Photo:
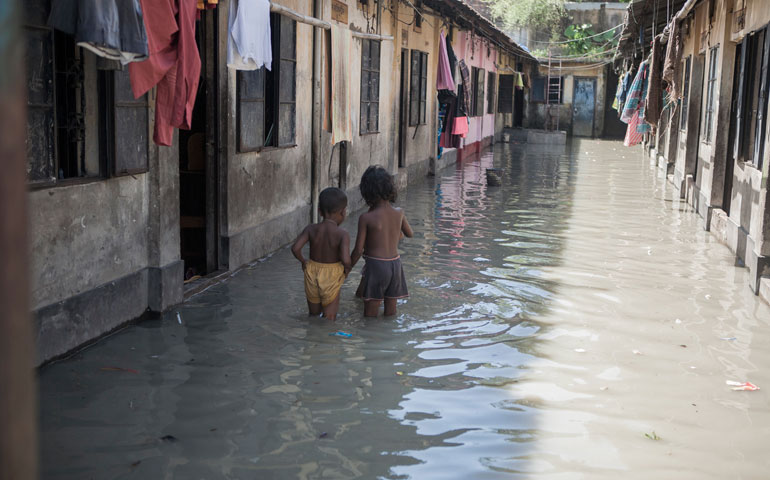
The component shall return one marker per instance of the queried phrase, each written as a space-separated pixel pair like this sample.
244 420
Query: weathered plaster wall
83 236
273 184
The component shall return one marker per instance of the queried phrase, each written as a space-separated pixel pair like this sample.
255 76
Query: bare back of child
329 262
379 231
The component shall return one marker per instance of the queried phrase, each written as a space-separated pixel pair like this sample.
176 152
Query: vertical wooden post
18 407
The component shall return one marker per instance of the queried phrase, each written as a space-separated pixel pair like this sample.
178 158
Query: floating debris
323 435
340 333
652 436
169 438
580 350
742 386
729 339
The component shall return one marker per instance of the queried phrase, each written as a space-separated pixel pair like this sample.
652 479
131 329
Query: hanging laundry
525 79
518 81
207 4
452 58
633 136
635 94
654 99
465 75
444 80
615 103
249 44
625 86
112 29
449 101
174 65
672 65
341 128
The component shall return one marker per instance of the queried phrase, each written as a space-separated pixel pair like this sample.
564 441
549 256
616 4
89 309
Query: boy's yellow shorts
323 281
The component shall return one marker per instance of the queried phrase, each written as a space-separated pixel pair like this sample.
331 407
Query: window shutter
251 109
40 101
479 92
130 127
414 89
374 85
740 103
423 86
759 137
490 92
505 94
287 108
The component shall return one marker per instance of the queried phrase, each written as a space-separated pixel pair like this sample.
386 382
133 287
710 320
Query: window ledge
66 182
364 134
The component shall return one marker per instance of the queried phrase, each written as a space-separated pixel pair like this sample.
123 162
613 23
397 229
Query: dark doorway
613 127
403 98
734 119
518 102
198 164
518 107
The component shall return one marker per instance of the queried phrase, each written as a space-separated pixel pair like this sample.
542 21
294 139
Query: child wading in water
329 262
379 231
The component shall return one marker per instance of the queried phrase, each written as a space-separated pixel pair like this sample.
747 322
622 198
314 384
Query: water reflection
512 359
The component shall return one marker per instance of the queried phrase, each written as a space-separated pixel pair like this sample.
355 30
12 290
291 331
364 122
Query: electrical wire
578 39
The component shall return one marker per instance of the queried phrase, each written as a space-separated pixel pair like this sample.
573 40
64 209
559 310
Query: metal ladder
553 95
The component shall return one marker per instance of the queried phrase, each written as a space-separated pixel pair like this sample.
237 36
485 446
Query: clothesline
578 39
274 7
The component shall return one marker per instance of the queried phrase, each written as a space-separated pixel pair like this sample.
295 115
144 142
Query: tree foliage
536 14
585 42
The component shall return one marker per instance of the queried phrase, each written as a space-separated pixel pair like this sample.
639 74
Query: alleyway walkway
553 323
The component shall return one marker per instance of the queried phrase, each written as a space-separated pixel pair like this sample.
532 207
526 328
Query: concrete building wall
702 164
103 251
570 72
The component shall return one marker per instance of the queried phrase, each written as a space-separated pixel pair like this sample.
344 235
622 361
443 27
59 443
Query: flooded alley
576 322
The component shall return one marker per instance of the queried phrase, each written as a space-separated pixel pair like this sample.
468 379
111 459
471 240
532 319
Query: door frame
575 81
210 65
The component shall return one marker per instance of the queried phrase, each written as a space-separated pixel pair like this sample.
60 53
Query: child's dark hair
332 200
377 184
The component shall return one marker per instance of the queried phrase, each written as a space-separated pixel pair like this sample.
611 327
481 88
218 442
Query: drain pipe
315 144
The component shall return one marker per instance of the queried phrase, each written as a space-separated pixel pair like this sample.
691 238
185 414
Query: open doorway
198 164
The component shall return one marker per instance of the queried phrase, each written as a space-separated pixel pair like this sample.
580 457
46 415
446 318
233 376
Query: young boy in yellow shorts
329 262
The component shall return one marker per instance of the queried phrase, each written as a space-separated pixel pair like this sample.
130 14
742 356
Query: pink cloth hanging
632 136
444 80
460 126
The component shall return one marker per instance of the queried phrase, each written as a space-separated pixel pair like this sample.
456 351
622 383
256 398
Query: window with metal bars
711 94
370 86
491 80
418 88
477 95
685 94
555 88
83 121
266 99
750 112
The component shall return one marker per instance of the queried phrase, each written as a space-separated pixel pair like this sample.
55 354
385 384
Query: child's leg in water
390 307
330 311
314 309
360 290
371 308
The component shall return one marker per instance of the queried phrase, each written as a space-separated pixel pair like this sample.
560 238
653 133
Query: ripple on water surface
553 322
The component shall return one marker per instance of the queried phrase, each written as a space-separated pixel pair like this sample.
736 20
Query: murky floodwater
553 323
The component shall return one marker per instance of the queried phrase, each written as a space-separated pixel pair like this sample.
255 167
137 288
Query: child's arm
345 252
360 242
406 229
300 242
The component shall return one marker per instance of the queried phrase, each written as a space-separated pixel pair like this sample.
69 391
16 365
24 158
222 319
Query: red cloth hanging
174 65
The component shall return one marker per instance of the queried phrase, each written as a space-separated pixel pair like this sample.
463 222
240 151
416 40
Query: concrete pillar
18 406
165 267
